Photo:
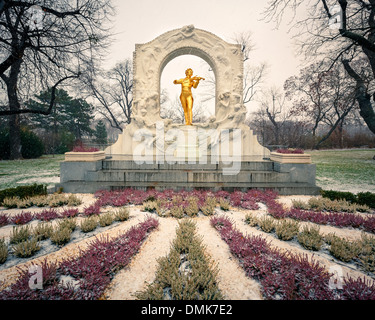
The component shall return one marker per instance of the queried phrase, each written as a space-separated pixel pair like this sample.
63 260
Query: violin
197 78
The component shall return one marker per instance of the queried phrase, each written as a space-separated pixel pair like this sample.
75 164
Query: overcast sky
142 21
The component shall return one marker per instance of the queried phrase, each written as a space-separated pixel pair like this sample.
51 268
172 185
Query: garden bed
168 208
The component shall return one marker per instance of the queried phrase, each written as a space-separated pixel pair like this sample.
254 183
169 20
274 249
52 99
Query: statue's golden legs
187 104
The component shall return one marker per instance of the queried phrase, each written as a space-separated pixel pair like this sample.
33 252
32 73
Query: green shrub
26 248
362 198
339 195
343 249
20 234
320 204
310 238
61 236
224 204
186 273
251 220
299 204
68 223
42 230
89 224
366 255
32 146
3 251
286 230
106 219
366 198
73 201
192 209
149 206
11 202
177 212
40 201
208 209
23 191
267 224
122 214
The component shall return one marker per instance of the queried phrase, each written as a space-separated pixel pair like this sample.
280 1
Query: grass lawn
345 170
44 170
341 170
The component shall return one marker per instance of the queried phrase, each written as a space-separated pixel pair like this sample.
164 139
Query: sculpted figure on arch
186 96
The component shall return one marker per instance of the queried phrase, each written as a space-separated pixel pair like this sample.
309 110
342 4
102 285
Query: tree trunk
364 99
14 120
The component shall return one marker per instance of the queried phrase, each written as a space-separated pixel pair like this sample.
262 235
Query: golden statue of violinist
186 96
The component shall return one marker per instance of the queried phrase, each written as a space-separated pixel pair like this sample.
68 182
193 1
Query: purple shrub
342 220
92 270
236 198
369 224
276 209
4 220
22 218
20 290
47 215
286 276
358 289
69 213
250 205
290 151
93 209
222 194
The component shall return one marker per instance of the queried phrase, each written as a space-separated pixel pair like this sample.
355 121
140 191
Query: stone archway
226 60
200 56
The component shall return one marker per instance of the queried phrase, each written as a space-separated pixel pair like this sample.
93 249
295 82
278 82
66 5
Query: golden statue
186 96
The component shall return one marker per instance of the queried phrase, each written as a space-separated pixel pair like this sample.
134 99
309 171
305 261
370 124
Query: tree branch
44 112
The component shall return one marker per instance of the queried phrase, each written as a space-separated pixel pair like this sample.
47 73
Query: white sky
141 21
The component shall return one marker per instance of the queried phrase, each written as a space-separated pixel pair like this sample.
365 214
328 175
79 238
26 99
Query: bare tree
113 92
272 103
42 46
324 97
353 40
253 74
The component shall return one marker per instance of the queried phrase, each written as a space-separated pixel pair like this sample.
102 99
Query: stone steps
131 165
281 188
185 176
287 179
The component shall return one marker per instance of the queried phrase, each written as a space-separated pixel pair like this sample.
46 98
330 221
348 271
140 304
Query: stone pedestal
187 150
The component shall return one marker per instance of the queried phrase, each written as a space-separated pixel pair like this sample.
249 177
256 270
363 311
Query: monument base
120 173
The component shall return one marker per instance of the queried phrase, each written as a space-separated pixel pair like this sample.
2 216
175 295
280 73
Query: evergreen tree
68 116
74 115
100 133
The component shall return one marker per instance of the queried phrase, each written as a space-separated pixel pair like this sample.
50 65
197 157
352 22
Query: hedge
23 191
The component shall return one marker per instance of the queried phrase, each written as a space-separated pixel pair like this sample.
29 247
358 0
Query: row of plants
246 200
326 204
361 198
284 275
186 273
336 219
52 200
86 276
180 208
25 217
361 252
25 241
23 191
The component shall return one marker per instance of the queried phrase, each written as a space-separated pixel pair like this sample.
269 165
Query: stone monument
222 153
